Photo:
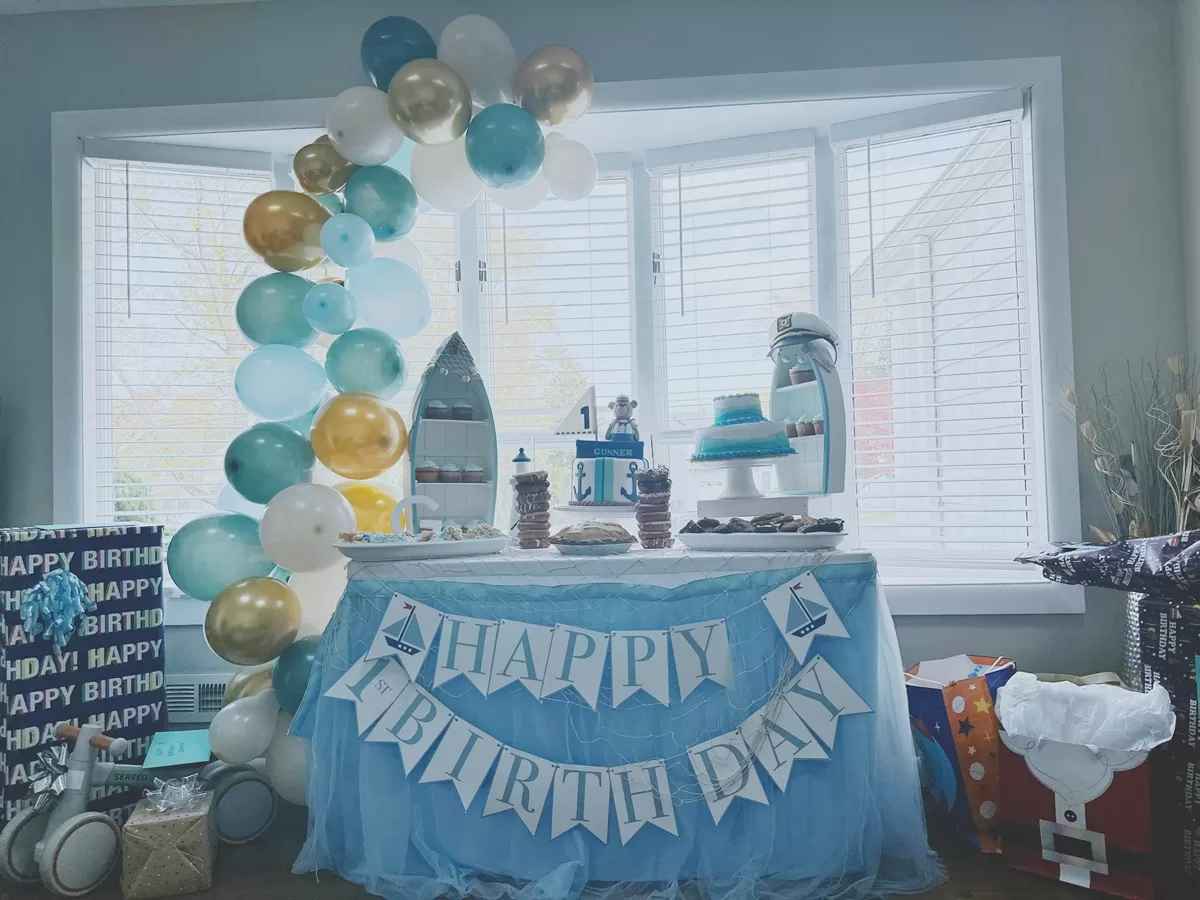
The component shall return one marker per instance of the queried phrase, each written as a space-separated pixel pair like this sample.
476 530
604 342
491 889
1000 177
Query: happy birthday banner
799 722
546 659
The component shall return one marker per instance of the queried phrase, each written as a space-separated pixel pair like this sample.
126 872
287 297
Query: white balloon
230 500
361 127
301 524
244 729
479 50
286 763
443 177
319 593
403 250
570 169
522 199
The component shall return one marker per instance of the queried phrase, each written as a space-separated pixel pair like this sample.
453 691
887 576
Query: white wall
1122 162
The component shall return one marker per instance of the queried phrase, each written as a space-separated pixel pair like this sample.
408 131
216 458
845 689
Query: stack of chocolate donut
654 508
533 510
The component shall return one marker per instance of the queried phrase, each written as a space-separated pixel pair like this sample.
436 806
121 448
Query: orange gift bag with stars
952 706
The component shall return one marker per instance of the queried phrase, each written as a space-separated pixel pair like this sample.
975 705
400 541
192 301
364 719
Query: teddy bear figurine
623 427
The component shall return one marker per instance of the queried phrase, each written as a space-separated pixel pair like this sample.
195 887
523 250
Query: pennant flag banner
797 723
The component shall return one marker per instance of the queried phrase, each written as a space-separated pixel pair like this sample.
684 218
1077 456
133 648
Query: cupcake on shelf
436 409
450 473
462 410
472 473
801 374
818 424
427 471
533 507
790 425
654 508
805 427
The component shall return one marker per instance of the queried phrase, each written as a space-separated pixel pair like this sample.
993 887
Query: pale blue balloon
391 296
269 310
331 202
385 199
347 240
212 552
366 359
330 308
402 160
277 382
505 147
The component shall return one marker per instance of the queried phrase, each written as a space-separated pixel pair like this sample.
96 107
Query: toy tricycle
72 850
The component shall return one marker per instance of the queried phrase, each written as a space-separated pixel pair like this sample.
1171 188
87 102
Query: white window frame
1005 592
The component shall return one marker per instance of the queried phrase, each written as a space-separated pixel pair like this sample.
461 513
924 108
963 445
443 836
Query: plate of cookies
772 531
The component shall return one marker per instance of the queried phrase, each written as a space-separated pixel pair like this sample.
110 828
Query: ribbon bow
53 780
53 605
177 794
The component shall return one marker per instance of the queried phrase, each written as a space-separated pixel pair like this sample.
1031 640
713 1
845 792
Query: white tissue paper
1098 716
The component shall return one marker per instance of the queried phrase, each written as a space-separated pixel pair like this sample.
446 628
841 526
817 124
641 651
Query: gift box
110 669
1077 782
951 703
168 852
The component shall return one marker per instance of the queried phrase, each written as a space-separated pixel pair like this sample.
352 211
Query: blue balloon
331 202
391 296
390 43
270 310
292 670
279 573
212 552
366 359
330 308
385 199
402 160
303 424
347 240
505 147
276 382
266 458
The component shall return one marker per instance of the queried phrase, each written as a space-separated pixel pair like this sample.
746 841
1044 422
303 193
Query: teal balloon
347 240
505 147
303 424
292 671
367 359
266 458
391 296
330 308
277 382
270 310
212 552
390 43
331 202
383 198
279 573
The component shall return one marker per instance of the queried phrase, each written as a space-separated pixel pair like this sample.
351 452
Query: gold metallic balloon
554 85
252 621
284 228
247 683
320 169
372 503
358 435
430 101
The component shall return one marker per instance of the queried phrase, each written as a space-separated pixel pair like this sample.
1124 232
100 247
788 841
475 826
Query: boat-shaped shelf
452 378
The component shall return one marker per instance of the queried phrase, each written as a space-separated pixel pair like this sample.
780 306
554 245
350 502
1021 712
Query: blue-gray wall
1121 143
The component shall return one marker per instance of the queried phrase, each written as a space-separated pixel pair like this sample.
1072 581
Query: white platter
421 549
762 543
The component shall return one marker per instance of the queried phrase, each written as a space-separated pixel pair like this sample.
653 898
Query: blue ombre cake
740 431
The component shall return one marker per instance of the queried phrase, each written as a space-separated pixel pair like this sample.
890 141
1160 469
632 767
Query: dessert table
840 816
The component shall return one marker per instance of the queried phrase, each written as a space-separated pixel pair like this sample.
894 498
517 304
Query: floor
260 871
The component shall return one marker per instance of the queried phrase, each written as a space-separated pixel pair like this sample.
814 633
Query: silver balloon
430 102
554 85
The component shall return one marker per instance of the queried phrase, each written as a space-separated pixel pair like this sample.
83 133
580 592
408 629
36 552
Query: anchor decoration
580 476
405 635
631 495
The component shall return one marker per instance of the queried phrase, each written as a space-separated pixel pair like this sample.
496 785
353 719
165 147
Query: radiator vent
194 698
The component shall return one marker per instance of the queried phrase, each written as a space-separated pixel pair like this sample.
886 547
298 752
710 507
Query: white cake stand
739 478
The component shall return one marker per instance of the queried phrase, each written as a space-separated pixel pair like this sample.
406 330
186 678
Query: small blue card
178 748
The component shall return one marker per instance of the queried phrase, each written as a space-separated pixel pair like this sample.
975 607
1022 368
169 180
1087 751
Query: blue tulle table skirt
849 826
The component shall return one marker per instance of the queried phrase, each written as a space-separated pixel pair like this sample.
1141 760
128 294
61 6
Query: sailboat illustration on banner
805 615
405 634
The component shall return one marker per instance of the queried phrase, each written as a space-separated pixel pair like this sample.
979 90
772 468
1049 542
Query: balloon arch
476 118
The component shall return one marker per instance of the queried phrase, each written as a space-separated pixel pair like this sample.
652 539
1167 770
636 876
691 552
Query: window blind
733 249
556 305
933 282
